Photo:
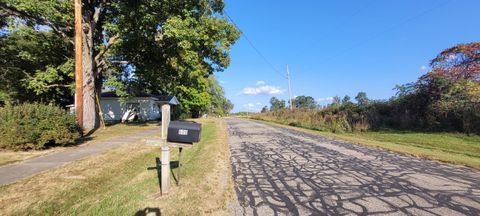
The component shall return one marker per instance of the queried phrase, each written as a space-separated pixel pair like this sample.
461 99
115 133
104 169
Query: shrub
36 126
313 119
361 126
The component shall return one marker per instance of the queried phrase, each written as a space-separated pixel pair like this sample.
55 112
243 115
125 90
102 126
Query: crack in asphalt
280 171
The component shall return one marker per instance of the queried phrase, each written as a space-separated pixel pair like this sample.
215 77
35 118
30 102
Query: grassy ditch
452 148
118 182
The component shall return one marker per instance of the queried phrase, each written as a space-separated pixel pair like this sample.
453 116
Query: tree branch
121 62
58 85
107 46
96 14
12 11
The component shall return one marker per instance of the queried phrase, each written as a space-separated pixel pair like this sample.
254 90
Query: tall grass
315 119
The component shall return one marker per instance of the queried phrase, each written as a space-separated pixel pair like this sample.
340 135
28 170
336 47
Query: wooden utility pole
289 89
78 63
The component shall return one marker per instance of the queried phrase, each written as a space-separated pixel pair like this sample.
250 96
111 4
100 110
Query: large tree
304 102
167 47
447 98
276 104
35 65
57 17
174 52
362 98
219 105
346 100
452 88
458 62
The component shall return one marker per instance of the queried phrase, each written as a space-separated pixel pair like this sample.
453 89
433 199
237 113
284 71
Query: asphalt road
279 171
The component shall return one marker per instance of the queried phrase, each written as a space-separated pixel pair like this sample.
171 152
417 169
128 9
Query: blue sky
339 47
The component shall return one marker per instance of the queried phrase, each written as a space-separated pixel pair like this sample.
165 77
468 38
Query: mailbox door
184 132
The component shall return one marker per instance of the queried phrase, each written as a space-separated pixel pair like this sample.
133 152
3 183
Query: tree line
158 47
308 102
447 98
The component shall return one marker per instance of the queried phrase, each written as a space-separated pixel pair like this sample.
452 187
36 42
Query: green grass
126 187
460 149
118 129
110 193
452 143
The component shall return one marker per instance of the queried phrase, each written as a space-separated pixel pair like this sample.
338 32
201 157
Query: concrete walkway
14 172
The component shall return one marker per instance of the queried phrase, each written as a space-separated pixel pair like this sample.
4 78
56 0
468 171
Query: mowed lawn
125 181
452 148
451 143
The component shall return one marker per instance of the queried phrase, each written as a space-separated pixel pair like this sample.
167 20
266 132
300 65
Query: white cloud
252 107
262 90
423 67
326 99
261 82
221 81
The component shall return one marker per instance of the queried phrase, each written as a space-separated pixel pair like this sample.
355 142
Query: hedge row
36 126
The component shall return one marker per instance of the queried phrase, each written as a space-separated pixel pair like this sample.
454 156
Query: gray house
145 106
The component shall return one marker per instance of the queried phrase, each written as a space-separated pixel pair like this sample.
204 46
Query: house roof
162 99
113 94
172 100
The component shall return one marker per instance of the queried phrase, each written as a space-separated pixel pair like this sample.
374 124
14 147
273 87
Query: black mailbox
184 132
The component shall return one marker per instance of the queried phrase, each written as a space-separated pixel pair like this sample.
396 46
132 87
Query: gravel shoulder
289 172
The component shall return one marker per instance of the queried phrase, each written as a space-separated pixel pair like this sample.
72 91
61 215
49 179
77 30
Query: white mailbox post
165 157
165 146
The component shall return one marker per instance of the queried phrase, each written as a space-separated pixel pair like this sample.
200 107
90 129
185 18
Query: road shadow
148 212
278 171
158 169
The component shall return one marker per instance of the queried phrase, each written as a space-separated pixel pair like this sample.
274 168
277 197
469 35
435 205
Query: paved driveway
287 172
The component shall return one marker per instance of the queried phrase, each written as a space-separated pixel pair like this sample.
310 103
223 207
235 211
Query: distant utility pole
289 89
78 63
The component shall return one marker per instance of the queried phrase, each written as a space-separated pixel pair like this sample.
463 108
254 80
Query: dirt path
287 172
14 172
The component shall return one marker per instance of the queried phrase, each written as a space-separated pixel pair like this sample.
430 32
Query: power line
347 19
360 10
253 46
423 13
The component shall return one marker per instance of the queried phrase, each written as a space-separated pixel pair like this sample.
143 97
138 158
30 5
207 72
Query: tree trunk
91 120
